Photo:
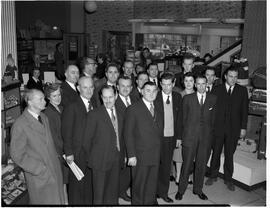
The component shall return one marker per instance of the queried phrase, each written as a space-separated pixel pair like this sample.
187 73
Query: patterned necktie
39 119
127 102
152 111
168 100
230 91
201 101
114 126
90 107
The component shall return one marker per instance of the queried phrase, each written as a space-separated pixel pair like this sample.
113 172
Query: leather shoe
178 196
201 195
125 197
167 199
230 185
210 181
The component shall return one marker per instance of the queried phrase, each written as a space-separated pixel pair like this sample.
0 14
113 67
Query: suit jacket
100 139
135 94
32 148
73 125
32 84
239 109
193 130
177 112
143 133
69 95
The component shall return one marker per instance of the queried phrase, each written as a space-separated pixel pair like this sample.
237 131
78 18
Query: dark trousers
166 153
230 144
106 185
144 185
124 180
198 151
80 192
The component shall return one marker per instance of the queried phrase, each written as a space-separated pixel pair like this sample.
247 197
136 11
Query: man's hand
178 143
243 133
70 159
132 161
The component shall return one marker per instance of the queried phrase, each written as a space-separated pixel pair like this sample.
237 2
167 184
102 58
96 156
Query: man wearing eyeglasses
89 67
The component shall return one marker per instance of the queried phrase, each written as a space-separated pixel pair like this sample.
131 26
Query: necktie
90 107
152 111
201 101
154 80
127 102
76 89
168 100
114 126
230 90
39 119
208 88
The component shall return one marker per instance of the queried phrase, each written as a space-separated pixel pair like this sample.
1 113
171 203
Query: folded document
75 169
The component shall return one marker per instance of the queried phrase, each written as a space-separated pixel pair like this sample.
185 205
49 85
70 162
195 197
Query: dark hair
200 76
188 56
124 78
101 56
210 68
128 61
230 68
189 74
49 88
167 75
107 87
112 65
142 72
57 45
152 64
148 83
145 48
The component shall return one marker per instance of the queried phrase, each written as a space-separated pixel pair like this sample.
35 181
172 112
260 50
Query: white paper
75 169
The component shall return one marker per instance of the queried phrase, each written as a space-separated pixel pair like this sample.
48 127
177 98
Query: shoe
178 196
210 181
201 195
172 178
125 197
155 203
230 185
190 182
167 199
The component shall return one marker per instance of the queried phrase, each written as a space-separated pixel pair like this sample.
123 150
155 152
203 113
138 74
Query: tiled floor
217 194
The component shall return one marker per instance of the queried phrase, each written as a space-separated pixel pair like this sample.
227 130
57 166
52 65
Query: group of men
121 132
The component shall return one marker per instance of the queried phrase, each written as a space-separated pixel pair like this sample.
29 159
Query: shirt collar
108 83
124 99
34 78
33 114
87 75
228 87
71 85
110 111
165 97
148 104
199 95
85 101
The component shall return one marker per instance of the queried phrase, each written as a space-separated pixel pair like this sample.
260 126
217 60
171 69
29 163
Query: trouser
124 180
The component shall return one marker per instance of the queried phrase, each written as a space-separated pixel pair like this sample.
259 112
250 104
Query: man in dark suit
143 134
34 82
103 145
142 78
230 125
169 103
69 90
152 71
187 66
212 80
73 125
198 127
128 69
112 74
124 100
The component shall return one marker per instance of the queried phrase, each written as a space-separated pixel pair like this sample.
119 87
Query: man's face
112 74
201 85
90 67
189 83
36 73
167 86
153 71
210 75
108 98
141 80
128 68
231 78
72 74
188 65
124 87
146 53
139 69
37 102
149 92
86 88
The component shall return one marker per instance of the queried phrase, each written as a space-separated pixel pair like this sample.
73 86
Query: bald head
72 74
35 100
86 87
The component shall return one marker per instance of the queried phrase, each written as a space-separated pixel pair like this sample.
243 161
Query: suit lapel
107 118
159 102
82 106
